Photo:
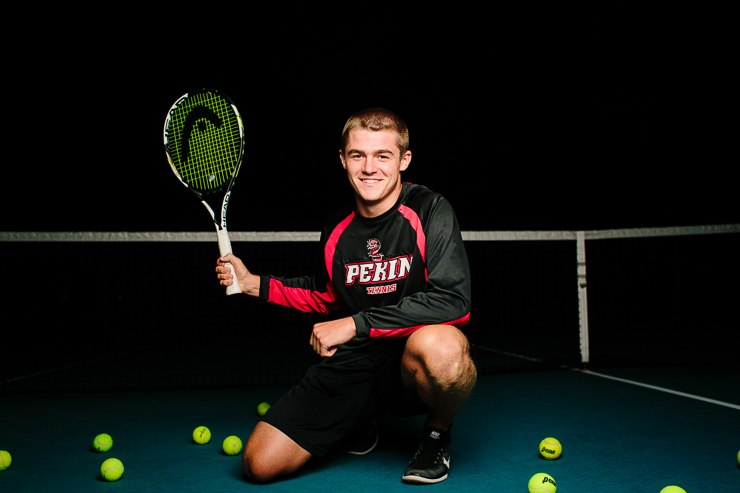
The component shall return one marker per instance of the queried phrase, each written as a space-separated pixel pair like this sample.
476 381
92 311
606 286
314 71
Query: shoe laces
432 450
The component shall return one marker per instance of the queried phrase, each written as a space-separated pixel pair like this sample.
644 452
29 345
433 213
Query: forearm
250 285
430 308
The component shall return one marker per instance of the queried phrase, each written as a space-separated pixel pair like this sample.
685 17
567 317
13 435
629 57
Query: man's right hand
248 282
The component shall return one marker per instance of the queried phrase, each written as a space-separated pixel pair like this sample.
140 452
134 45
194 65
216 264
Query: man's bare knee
257 471
269 454
249 469
442 352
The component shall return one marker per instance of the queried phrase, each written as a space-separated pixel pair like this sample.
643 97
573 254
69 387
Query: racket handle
224 247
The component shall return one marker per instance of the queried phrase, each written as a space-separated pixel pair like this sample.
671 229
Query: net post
582 298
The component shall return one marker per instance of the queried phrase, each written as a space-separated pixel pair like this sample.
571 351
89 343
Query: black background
525 121
529 119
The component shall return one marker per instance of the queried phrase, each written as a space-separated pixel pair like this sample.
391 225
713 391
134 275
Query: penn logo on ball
550 448
201 435
542 483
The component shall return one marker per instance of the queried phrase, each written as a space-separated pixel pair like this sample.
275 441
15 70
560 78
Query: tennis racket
204 142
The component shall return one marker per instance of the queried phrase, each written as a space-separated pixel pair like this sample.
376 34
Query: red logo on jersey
373 249
378 271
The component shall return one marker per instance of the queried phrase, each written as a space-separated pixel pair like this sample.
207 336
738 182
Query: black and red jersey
393 273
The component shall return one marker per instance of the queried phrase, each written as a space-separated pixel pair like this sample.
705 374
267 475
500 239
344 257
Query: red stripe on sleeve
421 239
303 299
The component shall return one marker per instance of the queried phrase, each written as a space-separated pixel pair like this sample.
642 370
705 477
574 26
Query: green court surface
617 437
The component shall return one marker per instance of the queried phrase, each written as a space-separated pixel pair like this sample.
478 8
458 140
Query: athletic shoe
432 461
364 440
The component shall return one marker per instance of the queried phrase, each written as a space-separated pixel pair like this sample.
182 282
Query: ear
405 160
341 158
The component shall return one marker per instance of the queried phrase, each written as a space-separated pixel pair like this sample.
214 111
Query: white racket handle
224 247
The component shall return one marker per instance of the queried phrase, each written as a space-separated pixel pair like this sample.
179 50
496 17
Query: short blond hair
376 120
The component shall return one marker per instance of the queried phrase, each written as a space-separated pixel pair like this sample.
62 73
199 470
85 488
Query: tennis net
127 310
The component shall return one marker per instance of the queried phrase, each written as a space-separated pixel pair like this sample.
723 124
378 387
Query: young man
396 268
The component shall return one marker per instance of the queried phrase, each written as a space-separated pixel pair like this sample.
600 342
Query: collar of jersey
389 212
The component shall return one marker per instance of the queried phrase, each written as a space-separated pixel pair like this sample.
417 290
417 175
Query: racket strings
206 141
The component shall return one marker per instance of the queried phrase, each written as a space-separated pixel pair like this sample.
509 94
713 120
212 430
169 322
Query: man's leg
436 364
269 453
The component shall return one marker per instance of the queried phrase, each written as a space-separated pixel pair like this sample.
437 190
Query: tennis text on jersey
379 271
386 288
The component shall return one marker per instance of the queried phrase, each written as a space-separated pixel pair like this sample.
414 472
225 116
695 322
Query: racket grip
224 247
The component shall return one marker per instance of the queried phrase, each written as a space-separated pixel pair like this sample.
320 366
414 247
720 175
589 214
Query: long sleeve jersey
393 274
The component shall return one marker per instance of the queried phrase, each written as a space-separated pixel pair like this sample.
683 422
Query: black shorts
340 394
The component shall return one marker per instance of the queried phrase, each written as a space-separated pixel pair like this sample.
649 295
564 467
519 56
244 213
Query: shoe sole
353 452
372 447
421 480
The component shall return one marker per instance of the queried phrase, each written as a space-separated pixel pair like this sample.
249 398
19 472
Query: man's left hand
326 336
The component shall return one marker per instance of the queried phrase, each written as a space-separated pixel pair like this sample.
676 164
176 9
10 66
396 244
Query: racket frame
222 232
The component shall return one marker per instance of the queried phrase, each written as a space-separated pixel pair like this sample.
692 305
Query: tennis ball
201 435
542 483
103 442
262 408
550 448
738 456
672 489
111 470
232 445
5 460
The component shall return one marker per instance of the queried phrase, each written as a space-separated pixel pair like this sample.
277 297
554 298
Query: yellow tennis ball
201 435
232 445
550 448
103 442
542 483
5 460
738 456
262 408
672 489
111 470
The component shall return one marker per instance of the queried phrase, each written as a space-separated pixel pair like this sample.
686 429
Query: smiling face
374 163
